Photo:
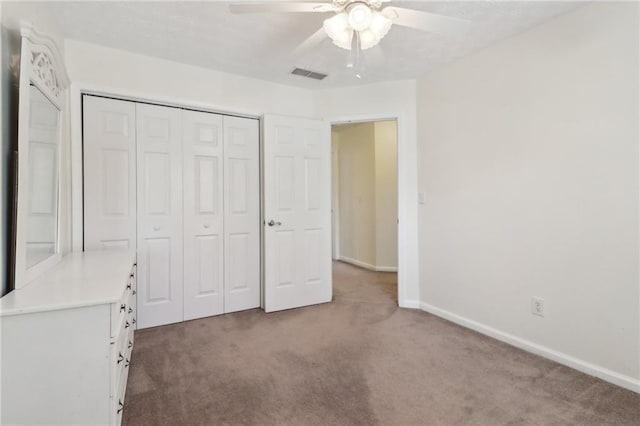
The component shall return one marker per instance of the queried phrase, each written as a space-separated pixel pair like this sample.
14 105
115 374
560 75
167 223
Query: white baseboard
386 269
410 304
610 376
357 263
368 266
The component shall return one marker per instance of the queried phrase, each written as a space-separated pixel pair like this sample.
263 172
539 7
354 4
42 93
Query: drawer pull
126 324
123 307
134 292
126 364
133 321
130 344
120 358
129 286
120 407
131 275
130 310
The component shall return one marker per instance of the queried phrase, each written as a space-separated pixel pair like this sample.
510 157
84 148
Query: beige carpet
359 360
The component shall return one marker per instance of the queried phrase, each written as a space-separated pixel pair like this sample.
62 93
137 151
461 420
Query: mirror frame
41 65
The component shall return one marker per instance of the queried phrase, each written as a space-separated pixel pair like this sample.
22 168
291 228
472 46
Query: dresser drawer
119 379
121 312
120 360
118 407
117 413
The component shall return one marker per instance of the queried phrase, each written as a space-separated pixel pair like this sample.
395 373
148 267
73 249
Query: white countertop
80 279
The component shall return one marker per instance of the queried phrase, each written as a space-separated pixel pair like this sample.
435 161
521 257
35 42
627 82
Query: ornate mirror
43 81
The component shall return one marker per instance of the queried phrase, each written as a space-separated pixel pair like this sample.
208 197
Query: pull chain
355 59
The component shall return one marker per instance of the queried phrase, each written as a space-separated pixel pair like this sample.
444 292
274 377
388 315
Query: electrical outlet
537 306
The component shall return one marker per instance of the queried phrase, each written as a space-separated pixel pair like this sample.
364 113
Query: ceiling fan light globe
344 40
368 39
338 30
359 16
380 25
336 25
389 13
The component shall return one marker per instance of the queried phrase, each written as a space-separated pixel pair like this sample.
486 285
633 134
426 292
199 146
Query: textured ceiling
260 45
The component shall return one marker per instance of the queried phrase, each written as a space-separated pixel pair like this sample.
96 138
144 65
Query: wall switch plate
537 306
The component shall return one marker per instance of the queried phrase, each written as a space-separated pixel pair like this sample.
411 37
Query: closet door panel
109 156
242 213
203 214
159 196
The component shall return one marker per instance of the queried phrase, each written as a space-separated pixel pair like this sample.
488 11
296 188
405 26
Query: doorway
365 210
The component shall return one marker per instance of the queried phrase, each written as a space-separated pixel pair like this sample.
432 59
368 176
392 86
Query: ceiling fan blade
310 43
278 7
426 21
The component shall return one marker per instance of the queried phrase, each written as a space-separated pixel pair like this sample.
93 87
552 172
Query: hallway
354 284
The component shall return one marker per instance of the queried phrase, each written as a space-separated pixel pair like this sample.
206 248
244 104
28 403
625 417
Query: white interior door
160 233
109 151
297 206
203 214
242 213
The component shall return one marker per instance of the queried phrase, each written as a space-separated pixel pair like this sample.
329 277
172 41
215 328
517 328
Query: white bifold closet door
109 150
221 214
183 188
241 213
159 192
203 214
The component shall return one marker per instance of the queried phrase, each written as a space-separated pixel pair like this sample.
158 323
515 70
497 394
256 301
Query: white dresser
66 342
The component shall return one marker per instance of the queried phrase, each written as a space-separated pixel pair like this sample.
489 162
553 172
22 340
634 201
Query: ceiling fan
359 24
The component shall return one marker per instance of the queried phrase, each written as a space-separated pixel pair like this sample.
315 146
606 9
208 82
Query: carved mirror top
47 69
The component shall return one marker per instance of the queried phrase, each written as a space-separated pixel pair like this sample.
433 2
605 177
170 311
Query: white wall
386 187
374 102
529 162
124 72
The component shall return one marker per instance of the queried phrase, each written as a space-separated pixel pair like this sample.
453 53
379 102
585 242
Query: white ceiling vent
309 74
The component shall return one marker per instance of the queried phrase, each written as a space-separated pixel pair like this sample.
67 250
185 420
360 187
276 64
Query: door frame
404 195
76 91
335 200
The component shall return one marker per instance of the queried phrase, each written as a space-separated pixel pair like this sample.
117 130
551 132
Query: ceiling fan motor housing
346 5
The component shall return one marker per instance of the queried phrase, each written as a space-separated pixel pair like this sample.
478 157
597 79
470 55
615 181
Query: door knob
206 226
274 223
156 228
